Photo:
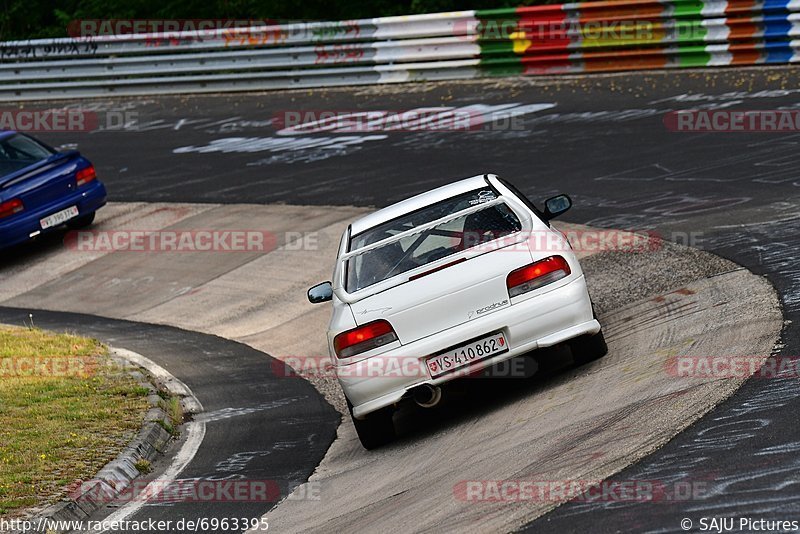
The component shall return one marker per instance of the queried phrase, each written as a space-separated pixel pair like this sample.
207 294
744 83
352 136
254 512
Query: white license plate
59 217
466 355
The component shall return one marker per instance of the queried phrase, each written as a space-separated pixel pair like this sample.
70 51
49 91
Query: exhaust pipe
427 395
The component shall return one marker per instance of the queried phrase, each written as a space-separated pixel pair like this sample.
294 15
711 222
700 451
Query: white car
445 284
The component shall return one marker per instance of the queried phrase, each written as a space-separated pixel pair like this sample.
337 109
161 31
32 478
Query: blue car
42 189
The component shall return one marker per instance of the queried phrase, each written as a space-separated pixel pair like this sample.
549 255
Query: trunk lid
43 182
459 293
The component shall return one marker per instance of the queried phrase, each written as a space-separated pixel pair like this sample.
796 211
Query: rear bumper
20 228
542 321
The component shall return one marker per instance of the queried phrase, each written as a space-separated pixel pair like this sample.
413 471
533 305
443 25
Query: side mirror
320 293
555 206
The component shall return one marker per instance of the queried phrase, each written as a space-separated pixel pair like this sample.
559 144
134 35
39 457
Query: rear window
20 151
431 244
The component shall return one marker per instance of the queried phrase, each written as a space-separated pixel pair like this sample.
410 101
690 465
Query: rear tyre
376 430
588 348
81 222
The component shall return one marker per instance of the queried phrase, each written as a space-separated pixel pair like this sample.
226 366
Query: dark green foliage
27 19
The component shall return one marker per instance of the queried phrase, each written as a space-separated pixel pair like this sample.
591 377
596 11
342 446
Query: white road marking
174 385
195 433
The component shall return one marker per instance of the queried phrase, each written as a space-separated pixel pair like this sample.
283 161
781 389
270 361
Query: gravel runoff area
615 279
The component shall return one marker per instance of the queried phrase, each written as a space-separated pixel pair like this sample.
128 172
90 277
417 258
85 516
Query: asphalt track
662 301
295 424
604 142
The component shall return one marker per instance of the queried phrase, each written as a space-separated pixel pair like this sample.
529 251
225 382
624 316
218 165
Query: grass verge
65 411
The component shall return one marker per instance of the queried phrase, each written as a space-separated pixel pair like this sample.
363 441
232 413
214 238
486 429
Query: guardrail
553 39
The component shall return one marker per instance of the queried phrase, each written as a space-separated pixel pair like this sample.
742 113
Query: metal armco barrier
554 39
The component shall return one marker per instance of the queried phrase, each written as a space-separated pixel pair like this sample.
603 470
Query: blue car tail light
11 207
84 176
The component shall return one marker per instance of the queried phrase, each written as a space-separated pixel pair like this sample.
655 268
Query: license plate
59 217
467 354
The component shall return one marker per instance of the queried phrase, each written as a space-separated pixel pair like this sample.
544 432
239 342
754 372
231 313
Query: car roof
420 201
6 133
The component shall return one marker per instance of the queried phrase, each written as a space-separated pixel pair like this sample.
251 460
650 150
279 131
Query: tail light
10 207
84 176
536 275
370 336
